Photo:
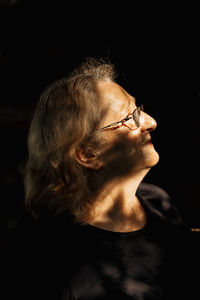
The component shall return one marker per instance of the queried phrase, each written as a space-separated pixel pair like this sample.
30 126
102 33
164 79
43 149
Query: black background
156 52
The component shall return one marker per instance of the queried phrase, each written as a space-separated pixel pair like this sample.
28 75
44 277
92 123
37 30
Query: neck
116 205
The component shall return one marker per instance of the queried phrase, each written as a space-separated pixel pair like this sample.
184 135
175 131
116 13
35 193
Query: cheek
122 143
122 152
128 142
134 138
135 134
125 134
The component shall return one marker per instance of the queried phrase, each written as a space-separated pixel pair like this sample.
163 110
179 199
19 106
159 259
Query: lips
148 141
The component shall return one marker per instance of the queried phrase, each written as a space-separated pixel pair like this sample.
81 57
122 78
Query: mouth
146 143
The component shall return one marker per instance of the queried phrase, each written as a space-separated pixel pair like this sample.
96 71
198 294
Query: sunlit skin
122 163
119 104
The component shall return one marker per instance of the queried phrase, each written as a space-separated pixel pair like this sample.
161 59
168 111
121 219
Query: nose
147 123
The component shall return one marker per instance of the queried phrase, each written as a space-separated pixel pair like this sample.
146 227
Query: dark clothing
144 264
61 260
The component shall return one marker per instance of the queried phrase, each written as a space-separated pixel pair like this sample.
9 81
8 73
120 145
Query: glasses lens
136 116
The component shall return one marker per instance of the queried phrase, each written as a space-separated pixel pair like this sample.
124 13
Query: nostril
148 124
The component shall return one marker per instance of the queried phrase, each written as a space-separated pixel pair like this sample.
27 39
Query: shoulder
152 191
159 202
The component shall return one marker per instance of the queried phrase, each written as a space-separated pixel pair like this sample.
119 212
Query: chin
152 160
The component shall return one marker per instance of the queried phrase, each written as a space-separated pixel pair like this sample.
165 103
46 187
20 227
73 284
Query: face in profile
128 145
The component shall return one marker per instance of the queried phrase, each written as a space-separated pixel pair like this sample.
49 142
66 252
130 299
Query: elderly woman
89 150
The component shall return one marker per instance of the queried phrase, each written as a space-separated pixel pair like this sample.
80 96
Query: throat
119 226
116 206
117 221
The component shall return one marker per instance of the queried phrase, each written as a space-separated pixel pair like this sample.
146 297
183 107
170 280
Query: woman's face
128 148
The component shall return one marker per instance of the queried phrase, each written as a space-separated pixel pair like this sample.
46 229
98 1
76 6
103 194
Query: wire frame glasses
134 117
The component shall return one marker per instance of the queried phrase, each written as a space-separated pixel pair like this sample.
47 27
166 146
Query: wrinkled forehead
114 96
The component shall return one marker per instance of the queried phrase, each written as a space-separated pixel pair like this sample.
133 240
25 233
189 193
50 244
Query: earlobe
88 158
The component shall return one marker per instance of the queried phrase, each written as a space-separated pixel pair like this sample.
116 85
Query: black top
59 260
144 264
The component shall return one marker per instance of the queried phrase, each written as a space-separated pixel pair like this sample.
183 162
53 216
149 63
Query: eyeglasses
135 117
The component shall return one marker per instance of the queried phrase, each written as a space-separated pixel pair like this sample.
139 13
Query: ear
87 157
